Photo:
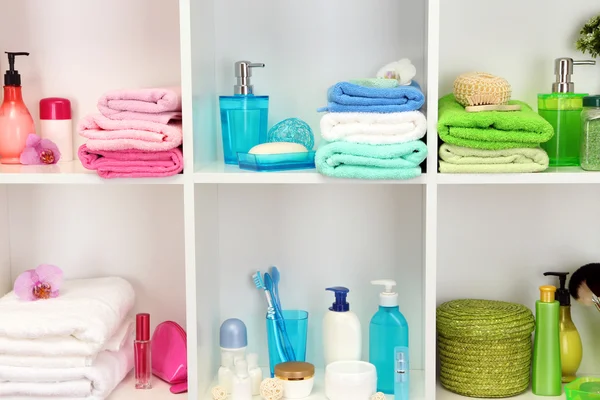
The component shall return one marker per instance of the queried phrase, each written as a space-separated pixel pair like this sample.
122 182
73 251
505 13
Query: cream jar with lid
298 378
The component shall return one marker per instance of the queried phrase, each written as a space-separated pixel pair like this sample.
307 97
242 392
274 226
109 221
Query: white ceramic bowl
350 380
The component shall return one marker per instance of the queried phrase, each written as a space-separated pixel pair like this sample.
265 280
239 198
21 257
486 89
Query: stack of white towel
76 346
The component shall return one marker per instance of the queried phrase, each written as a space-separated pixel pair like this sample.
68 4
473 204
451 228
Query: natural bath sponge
480 88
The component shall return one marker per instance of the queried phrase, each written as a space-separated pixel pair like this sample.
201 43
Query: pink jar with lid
56 125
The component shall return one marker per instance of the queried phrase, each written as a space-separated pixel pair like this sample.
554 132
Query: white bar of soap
278 148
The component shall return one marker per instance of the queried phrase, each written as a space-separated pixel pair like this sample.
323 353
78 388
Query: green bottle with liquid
562 109
546 375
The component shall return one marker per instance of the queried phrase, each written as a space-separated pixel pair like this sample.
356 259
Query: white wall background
313 52
319 236
501 240
5 281
517 40
80 50
90 47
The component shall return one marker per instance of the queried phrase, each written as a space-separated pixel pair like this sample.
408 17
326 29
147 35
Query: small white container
256 375
298 379
241 388
57 126
350 380
342 338
226 371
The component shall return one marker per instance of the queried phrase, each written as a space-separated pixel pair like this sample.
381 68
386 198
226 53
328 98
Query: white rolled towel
374 128
90 383
79 322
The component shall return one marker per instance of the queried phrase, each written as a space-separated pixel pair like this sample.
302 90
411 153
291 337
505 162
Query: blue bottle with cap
342 339
388 331
233 338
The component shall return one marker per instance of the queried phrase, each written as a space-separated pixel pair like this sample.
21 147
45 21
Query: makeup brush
584 285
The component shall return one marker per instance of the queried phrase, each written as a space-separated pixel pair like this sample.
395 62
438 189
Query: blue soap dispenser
388 331
244 116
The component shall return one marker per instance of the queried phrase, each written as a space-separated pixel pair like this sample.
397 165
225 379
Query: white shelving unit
190 243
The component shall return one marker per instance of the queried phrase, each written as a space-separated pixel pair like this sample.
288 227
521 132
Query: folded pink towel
132 163
109 134
157 105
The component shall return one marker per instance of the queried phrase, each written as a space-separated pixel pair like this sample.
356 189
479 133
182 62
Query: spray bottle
388 331
571 350
15 120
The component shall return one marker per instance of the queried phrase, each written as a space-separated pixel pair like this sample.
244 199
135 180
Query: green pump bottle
546 379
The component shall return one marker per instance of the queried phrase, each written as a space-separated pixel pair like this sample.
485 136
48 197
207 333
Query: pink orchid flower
39 151
41 283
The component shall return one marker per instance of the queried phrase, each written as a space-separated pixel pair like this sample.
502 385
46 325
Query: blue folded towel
366 161
348 97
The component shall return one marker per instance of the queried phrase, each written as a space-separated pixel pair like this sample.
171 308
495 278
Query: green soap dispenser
562 109
571 349
546 374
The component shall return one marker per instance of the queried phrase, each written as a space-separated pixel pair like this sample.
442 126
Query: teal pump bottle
244 116
547 375
387 331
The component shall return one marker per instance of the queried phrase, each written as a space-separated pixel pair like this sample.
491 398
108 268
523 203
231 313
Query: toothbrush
280 320
271 314
276 278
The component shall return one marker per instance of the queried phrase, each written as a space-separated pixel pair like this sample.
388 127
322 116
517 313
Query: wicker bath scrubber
480 88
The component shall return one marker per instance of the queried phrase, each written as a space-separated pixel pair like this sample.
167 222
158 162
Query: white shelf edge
71 172
220 173
564 175
417 386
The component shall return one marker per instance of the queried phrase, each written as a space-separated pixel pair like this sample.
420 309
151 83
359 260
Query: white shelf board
221 173
71 172
443 394
417 387
160 391
561 175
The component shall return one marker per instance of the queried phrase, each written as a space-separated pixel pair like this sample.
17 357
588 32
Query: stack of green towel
491 141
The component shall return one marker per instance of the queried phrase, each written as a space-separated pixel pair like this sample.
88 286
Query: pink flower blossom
41 283
39 151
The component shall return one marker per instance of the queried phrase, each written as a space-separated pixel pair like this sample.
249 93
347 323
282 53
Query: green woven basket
484 347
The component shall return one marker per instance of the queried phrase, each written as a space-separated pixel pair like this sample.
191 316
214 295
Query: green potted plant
589 38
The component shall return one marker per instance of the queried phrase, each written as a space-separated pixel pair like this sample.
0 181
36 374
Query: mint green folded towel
456 159
382 83
492 130
366 161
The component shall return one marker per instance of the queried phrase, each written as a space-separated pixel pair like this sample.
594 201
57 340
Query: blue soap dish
276 162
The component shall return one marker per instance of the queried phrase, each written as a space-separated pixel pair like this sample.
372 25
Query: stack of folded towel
78 345
491 141
372 132
137 134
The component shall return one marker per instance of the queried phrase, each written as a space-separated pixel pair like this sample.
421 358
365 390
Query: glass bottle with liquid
562 109
244 116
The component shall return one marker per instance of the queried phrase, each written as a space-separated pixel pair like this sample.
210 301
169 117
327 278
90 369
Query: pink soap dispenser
15 120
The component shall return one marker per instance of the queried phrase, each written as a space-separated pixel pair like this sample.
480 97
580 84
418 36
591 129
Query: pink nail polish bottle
143 361
15 120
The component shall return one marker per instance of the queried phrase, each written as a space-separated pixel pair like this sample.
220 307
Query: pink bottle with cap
56 125
15 120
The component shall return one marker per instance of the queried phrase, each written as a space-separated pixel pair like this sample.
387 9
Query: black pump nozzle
562 293
12 77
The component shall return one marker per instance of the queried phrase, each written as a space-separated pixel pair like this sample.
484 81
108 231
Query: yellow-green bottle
571 349
562 109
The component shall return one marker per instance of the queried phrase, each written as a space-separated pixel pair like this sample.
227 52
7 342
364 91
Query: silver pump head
243 72
563 69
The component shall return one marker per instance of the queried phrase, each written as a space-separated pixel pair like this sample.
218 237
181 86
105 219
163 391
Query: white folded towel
95 382
79 322
114 344
374 128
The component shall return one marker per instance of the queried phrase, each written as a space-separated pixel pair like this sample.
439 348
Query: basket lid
484 319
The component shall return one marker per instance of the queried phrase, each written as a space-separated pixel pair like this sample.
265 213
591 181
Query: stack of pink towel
137 134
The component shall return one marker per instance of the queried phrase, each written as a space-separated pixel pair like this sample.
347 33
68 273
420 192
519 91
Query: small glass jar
590 134
297 378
